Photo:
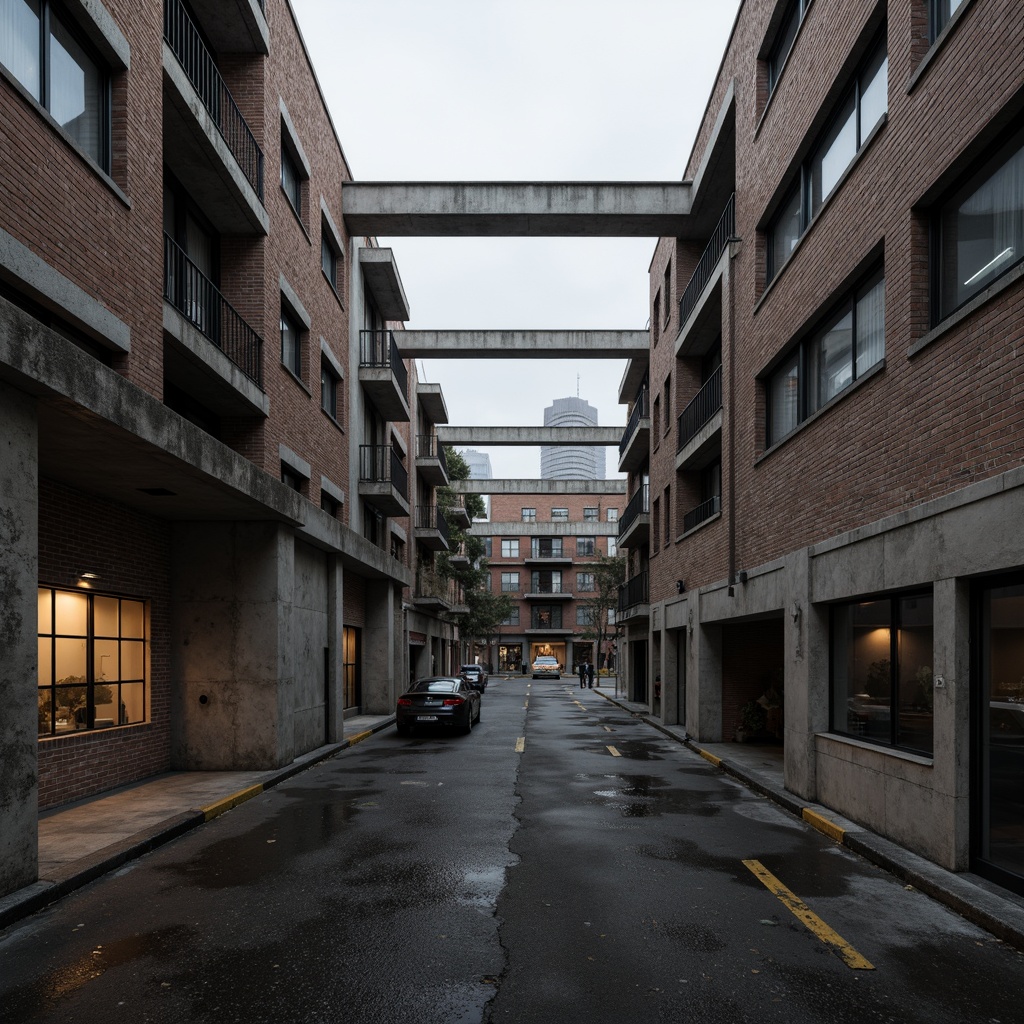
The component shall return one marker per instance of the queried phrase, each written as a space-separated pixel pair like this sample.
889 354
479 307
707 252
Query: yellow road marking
359 737
607 728
526 703
613 752
212 810
803 913
520 744
716 761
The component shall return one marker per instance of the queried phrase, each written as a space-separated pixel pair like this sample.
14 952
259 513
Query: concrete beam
528 487
381 275
477 437
524 344
482 528
540 209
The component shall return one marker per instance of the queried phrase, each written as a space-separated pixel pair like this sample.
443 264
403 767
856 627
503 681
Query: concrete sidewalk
81 841
760 767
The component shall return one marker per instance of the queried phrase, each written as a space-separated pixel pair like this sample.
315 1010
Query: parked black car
475 676
438 701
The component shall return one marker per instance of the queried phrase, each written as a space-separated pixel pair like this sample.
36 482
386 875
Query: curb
75 875
965 894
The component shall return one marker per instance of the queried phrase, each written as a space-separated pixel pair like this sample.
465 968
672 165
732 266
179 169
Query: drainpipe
734 251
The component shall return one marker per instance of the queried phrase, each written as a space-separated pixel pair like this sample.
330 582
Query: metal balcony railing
547 587
639 504
640 411
196 61
634 591
378 463
543 547
705 510
427 447
379 348
195 296
701 408
430 517
725 230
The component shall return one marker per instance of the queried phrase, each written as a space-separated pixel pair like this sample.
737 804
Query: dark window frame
289 317
292 174
330 392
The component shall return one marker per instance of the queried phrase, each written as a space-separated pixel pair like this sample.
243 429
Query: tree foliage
609 575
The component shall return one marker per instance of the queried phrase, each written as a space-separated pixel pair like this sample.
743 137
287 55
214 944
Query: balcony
635 521
431 403
635 446
548 592
383 480
459 517
702 513
234 26
212 353
431 529
724 231
700 426
431 463
434 591
634 599
207 142
545 551
383 374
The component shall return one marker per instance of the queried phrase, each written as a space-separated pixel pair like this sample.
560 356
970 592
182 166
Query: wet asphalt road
522 873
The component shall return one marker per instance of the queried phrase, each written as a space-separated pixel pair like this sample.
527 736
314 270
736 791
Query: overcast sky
513 90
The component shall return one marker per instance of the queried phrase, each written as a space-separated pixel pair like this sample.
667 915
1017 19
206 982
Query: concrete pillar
335 662
232 653
704 678
673 676
19 577
806 687
952 722
380 644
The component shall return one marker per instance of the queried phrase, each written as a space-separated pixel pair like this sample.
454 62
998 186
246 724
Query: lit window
850 342
980 229
92 661
45 54
860 111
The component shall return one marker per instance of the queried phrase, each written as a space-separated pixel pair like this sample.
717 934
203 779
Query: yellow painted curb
359 737
212 810
828 828
716 761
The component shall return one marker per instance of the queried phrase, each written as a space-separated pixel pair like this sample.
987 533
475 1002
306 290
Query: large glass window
92 661
940 13
981 228
44 53
546 547
291 349
857 115
851 341
510 548
882 656
546 581
784 40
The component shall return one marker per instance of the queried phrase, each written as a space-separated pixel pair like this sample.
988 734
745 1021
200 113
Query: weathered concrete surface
380 271
19 547
541 209
539 486
487 436
524 344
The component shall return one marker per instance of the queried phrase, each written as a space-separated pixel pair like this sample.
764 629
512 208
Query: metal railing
196 61
700 409
550 587
640 411
639 504
379 348
427 447
378 463
541 547
197 298
430 517
430 583
635 591
725 229
705 510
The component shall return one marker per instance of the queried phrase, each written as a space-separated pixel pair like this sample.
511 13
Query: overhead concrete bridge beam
541 209
529 436
523 344
539 486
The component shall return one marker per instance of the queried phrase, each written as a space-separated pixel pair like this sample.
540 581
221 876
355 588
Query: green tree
486 610
609 575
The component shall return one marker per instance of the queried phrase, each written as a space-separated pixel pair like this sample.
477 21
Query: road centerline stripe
808 918
613 751
520 744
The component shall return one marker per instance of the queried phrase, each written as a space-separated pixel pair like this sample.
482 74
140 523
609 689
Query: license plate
426 718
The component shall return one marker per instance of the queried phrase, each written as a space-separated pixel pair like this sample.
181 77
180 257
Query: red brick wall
130 552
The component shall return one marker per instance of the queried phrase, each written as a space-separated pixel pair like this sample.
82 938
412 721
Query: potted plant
752 722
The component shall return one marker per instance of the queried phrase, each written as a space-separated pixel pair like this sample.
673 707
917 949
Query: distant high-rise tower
479 469
571 462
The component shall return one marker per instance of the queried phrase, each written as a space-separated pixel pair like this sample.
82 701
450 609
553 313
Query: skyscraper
479 469
571 462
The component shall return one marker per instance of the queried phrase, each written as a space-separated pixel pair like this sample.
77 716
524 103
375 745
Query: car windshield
434 686
545 660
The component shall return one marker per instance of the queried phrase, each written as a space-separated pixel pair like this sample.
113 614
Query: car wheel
479 707
468 727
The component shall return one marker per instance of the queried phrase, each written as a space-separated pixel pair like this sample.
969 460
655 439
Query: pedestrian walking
590 675
583 674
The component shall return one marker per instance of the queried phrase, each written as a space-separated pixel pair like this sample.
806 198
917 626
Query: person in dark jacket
583 674
590 674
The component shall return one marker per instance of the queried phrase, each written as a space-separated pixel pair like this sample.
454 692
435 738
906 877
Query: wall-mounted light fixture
680 587
87 579
742 576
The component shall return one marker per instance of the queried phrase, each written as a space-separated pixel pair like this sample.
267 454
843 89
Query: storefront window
92 661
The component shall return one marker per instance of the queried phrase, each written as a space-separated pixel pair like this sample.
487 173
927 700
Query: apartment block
824 442
217 474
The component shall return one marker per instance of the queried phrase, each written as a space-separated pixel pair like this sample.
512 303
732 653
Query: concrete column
672 676
952 722
806 687
704 678
335 663
383 613
232 650
19 577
